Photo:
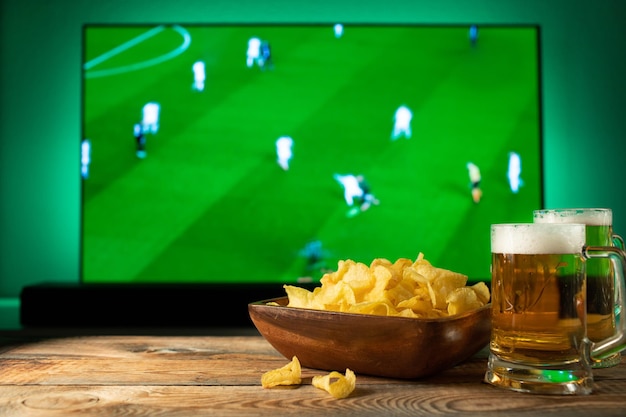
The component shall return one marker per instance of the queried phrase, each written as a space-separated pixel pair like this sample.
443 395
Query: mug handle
618 241
617 342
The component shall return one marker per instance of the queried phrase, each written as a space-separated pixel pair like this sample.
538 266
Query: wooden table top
220 375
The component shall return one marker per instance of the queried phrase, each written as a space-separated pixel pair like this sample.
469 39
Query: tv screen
266 153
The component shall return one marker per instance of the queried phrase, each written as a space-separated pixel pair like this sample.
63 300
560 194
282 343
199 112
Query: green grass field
210 203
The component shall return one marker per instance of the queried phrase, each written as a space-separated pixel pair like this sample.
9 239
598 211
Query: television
185 184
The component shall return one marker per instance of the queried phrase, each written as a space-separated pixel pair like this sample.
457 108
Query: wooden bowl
396 347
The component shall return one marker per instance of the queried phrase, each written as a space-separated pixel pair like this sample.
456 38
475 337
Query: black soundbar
114 305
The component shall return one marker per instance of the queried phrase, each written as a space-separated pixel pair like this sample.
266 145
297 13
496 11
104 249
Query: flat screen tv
185 182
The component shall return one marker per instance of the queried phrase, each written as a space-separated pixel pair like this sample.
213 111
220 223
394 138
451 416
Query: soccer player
402 123
265 58
283 151
314 254
199 76
254 51
368 198
351 187
140 140
150 121
475 177
515 169
85 158
338 30
473 34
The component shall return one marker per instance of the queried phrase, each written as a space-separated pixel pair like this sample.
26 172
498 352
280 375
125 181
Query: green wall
584 58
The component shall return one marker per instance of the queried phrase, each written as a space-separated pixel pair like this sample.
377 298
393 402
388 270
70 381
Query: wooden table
220 375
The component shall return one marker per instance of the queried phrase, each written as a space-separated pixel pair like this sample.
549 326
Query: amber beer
538 286
600 275
535 305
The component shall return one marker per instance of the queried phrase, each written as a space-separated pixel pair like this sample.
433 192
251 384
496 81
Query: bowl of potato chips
406 319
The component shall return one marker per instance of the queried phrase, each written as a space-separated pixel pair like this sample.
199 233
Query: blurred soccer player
254 51
314 255
199 76
283 151
338 29
515 169
351 187
368 199
402 123
85 158
475 177
140 140
473 35
265 58
150 121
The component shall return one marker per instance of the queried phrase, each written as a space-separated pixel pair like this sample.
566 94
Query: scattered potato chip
290 374
335 383
403 288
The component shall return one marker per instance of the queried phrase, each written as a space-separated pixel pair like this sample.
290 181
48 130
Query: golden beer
536 300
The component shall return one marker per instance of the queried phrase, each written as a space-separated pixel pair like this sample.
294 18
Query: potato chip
379 308
335 383
412 274
360 279
383 279
403 288
482 291
421 306
290 374
461 300
299 297
440 281
342 268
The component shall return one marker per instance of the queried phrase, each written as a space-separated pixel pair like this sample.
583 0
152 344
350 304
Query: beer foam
537 238
588 216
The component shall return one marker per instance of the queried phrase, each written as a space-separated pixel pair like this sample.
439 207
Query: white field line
138 65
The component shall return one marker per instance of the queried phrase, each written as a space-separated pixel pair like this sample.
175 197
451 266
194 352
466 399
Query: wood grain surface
125 375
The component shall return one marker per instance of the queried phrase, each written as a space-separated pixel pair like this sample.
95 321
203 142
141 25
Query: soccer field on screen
209 202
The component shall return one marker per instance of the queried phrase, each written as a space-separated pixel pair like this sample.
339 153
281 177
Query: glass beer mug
539 340
602 307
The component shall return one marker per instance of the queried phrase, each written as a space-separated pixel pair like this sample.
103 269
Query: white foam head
588 216
537 238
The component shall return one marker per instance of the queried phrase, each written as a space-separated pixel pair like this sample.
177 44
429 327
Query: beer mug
539 338
602 307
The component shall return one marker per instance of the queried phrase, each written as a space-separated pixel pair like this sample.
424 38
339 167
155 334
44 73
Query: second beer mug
601 304
539 338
